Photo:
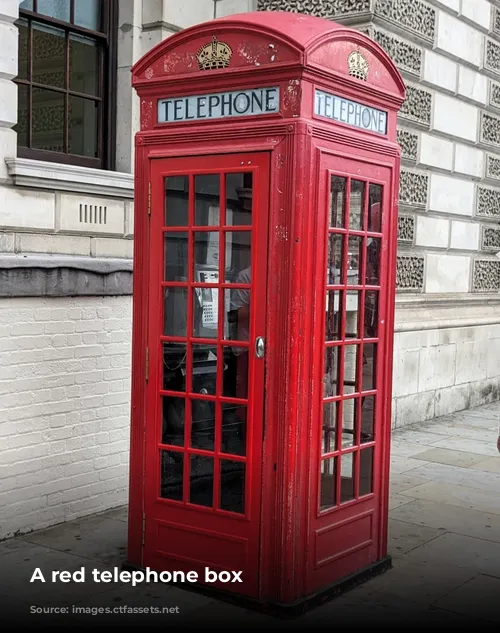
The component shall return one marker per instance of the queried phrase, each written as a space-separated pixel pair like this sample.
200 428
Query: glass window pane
49 56
366 471
349 422
174 367
83 127
206 256
237 308
23 54
356 205
22 116
328 485
329 444
369 366
48 120
234 424
335 259
176 256
239 199
27 5
337 202
375 209
332 355
175 312
238 250
351 353
236 378
176 200
333 307
373 261
367 419
207 201
173 410
353 308
203 424
88 14
171 475
232 482
206 312
347 477
59 9
204 358
354 260
83 65
201 489
371 314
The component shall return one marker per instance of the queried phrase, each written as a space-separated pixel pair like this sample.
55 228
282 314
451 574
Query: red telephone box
265 247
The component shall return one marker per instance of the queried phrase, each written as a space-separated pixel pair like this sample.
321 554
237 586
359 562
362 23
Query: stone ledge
55 176
63 276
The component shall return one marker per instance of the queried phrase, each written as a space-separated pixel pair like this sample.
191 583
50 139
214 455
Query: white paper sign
350 112
219 105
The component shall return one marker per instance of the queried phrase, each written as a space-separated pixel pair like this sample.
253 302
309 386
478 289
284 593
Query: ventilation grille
93 214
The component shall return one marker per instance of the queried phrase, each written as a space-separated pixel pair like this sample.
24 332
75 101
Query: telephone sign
256 101
350 112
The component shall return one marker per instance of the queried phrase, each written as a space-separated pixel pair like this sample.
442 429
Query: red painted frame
298 54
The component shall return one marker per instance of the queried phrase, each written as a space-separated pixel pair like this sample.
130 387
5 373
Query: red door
207 311
348 479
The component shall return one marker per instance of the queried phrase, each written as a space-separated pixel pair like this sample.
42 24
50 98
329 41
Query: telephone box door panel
347 469
207 310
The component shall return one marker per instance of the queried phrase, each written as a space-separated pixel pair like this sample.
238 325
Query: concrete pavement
444 540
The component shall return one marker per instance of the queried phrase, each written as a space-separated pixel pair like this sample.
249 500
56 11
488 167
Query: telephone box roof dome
266 40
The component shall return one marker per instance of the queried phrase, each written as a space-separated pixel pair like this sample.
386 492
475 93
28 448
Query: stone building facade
66 227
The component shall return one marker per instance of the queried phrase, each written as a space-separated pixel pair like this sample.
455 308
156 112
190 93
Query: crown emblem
358 66
214 55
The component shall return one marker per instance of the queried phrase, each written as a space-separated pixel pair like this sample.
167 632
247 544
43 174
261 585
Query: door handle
260 347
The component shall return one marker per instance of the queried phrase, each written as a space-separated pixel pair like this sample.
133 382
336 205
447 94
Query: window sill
37 174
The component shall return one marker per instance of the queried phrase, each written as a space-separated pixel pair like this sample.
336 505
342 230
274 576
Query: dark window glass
66 53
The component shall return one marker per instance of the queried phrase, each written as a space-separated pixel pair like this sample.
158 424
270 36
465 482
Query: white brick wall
64 409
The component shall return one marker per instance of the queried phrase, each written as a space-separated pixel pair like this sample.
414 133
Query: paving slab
96 537
487 448
449 456
457 550
466 477
403 537
396 500
422 582
401 448
18 566
483 525
403 464
119 514
477 598
456 495
404 481
491 465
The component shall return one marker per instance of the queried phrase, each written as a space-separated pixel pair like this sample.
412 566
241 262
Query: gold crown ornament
214 55
358 66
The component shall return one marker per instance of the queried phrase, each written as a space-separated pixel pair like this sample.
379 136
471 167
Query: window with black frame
66 81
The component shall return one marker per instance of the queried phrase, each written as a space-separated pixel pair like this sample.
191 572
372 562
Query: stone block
8 51
413 409
436 368
458 39
447 273
464 236
129 218
8 149
229 7
439 71
432 232
9 10
471 361
416 340
472 85
405 372
453 5
449 400
493 358
82 213
6 242
478 12
468 160
451 195
54 244
26 209
109 247
185 13
454 117
435 152
8 103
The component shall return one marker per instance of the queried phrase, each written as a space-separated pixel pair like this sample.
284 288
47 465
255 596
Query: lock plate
260 347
